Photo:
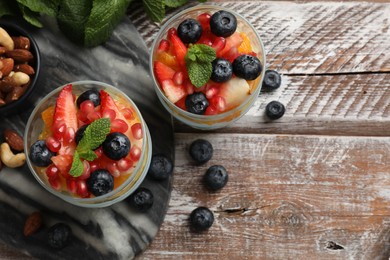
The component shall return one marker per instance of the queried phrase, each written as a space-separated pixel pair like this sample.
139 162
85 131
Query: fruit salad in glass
88 144
208 64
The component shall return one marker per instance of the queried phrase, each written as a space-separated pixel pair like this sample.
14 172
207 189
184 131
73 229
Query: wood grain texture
288 197
306 38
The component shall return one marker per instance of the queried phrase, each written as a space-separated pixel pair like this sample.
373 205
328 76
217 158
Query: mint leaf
77 166
155 9
94 135
198 63
49 7
30 16
88 155
175 3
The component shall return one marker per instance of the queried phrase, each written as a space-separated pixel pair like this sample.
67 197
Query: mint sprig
94 136
198 63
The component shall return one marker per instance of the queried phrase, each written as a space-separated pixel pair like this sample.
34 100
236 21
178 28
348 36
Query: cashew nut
6 40
20 78
9 159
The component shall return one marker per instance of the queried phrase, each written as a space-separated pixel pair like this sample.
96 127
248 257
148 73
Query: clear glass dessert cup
209 122
35 126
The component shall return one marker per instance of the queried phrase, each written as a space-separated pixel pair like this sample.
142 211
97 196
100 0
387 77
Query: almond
2 50
15 94
21 42
20 55
7 84
33 224
24 68
7 66
14 140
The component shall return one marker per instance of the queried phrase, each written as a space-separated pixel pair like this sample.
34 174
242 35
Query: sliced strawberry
172 92
162 71
234 40
179 48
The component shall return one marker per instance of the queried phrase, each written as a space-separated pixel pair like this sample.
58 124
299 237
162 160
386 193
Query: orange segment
47 116
167 59
245 46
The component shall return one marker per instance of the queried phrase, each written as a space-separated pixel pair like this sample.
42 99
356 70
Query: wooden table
314 184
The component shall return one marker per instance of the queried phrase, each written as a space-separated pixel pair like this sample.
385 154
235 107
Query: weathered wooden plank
312 37
288 197
336 104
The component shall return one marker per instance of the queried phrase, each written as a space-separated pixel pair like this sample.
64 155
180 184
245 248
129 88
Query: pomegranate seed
81 116
69 135
71 185
82 189
135 153
164 45
55 183
204 20
118 125
87 107
172 31
178 78
53 144
136 129
207 37
181 103
219 103
128 113
113 169
201 89
211 91
86 172
94 115
189 87
94 165
124 164
99 151
52 172
211 110
218 44
206 41
109 113
59 129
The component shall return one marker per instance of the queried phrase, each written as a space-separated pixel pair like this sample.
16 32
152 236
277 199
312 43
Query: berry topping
222 70
201 219
141 199
160 167
274 110
100 182
216 177
80 133
179 48
59 235
163 72
40 155
197 103
116 146
189 31
272 80
247 67
223 23
92 95
201 151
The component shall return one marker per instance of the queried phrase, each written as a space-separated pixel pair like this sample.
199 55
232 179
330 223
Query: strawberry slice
179 48
173 92
162 71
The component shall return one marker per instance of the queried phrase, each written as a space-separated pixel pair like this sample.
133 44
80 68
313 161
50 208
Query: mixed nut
13 143
16 67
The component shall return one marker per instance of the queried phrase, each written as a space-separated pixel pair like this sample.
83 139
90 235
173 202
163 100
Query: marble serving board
115 232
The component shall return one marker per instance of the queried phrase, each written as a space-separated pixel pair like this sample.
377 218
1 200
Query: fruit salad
207 64
90 144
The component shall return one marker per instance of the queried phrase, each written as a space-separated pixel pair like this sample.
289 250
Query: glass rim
155 44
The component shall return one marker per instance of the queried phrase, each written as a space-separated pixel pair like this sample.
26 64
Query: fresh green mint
94 136
198 63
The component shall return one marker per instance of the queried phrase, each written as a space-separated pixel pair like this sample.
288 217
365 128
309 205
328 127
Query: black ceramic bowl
24 101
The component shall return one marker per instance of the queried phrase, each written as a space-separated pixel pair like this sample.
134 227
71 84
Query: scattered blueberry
272 80
222 70
201 151
92 94
116 146
197 103
80 133
40 155
141 199
274 110
100 182
160 167
216 177
59 235
223 23
247 67
201 219
189 31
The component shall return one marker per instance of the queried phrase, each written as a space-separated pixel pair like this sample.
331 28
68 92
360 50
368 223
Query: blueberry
116 146
100 182
40 155
216 177
197 103
160 167
201 151
247 67
59 235
222 70
141 199
80 133
189 31
92 94
274 110
272 80
223 23
201 219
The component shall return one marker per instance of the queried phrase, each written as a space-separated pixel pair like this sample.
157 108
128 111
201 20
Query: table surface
314 184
